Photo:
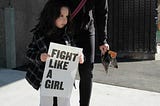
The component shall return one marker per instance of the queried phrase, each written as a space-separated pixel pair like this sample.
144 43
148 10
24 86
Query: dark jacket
91 18
40 44
35 67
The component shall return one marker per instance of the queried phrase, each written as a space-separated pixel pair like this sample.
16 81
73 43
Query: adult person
88 22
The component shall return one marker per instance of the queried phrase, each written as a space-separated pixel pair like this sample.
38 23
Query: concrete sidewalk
143 75
15 91
20 93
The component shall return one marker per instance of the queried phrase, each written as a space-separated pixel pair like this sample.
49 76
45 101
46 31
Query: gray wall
3 4
2 40
26 13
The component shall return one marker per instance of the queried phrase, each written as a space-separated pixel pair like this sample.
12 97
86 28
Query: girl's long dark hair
48 15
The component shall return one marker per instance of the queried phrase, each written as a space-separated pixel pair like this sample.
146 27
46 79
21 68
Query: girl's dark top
40 44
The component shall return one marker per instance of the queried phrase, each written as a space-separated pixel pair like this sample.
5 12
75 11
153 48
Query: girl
53 26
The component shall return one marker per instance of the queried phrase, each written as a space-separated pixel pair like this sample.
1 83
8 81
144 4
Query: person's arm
101 12
33 52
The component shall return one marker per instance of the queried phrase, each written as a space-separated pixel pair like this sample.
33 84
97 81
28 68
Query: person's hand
81 59
44 57
104 48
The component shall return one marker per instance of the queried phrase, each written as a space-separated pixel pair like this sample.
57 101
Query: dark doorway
132 28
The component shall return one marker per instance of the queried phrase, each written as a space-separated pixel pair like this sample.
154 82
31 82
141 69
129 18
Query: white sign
60 70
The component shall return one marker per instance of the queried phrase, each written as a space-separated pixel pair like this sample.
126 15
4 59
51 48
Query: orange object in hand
112 54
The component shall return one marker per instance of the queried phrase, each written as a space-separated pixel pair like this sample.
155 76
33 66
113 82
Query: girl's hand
44 57
81 59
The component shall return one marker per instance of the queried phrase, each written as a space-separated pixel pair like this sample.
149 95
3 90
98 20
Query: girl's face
62 20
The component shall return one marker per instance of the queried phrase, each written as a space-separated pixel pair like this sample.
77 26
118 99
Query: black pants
85 69
85 86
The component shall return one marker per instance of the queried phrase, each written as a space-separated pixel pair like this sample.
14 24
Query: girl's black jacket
40 44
